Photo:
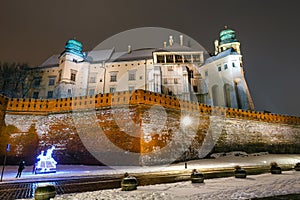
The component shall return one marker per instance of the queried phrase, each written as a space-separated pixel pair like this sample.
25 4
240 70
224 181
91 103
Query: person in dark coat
20 169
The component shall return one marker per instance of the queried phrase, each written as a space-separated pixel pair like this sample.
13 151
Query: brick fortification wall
131 122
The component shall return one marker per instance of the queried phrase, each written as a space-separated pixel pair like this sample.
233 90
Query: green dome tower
227 40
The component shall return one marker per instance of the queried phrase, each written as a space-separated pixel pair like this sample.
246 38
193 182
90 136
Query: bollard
44 192
197 177
129 183
239 172
297 166
275 169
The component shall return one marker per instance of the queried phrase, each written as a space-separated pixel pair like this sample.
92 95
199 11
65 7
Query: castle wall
148 126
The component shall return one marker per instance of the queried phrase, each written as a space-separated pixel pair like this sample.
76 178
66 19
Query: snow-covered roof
138 54
50 62
223 54
99 55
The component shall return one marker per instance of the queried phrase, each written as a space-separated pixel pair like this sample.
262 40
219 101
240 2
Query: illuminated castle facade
175 70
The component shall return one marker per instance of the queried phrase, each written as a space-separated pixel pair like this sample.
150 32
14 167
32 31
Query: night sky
269 32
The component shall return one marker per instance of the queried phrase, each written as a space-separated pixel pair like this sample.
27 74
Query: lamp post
186 121
4 162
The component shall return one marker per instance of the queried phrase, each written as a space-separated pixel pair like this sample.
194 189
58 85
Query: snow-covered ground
222 188
255 186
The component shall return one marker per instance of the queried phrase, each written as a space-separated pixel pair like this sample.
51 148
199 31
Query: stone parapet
99 101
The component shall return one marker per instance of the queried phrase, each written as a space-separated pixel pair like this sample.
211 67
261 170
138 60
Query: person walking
20 169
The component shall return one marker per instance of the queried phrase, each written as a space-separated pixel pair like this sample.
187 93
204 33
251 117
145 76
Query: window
206 73
233 64
131 75
165 81
93 79
59 75
196 58
91 92
35 95
131 88
195 88
101 80
141 77
160 59
112 89
178 58
113 76
175 80
73 75
170 68
169 58
51 81
225 66
187 58
69 91
50 95
219 68
37 81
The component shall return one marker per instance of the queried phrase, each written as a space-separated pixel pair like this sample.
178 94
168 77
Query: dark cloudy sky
269 31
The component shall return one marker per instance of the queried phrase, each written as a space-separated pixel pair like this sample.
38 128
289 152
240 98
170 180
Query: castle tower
226 41
224 74
73 71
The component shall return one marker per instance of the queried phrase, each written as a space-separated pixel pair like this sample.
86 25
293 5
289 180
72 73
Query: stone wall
140 128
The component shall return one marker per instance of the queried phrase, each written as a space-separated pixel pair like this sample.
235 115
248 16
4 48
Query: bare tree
14 80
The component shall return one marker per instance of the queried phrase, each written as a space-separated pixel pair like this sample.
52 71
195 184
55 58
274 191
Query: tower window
73 76
225 66
206 73
59 75
233 64
219 68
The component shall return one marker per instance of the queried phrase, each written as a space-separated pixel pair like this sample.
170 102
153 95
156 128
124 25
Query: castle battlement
100 101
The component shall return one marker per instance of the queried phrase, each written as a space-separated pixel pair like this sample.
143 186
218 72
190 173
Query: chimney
129 49
171 40
165 44
181 40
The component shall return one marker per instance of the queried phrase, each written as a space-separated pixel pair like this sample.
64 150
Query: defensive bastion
139 122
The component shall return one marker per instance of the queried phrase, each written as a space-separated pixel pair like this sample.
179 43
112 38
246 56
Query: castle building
175 70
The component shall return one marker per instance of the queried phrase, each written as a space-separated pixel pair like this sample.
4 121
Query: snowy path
222 188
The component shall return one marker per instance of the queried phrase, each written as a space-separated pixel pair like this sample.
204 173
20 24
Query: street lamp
4 162
186 121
